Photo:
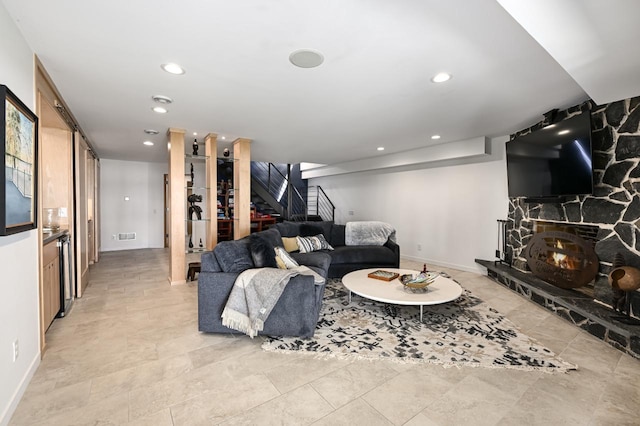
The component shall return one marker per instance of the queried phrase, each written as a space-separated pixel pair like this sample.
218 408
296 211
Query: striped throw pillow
309 244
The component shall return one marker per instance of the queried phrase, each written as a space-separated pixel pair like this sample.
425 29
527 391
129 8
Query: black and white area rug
465 332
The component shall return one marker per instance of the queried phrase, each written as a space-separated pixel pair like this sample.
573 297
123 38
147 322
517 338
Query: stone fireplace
609 220
613 210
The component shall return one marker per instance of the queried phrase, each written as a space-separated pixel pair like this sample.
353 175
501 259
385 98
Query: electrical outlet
419 247
16 350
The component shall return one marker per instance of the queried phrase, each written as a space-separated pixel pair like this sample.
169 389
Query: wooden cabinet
50 282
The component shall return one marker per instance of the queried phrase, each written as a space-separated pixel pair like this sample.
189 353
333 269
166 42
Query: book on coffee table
383 275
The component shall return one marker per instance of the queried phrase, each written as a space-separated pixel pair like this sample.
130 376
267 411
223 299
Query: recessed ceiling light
195 133
563 132
151 131
159 110
148 143
306 58
222 137
381 148
172 68
162 99
441 77
434 137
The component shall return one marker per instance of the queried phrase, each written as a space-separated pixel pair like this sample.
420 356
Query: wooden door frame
166 210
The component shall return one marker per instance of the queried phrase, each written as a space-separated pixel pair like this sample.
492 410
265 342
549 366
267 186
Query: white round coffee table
442 290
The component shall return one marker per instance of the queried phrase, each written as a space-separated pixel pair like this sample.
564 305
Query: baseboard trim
19 392
476 269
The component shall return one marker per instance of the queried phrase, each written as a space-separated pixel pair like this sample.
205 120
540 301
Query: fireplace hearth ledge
579 309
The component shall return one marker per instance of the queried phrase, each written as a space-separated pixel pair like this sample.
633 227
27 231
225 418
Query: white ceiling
373 88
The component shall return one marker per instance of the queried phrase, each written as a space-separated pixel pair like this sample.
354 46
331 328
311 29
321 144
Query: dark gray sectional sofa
296 312
344 259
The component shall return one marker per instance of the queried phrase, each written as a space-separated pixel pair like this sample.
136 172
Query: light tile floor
130 353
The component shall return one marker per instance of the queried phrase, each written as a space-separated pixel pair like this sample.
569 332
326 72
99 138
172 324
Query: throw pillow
272 235
262 251
290 244
309 244
280 263
286 258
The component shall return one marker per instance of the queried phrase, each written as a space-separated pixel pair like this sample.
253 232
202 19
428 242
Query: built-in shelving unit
197 226
181 185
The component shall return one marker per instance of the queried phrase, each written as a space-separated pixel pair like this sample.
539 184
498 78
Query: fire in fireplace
561 258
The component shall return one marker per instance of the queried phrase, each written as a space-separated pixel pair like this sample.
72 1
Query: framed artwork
19 142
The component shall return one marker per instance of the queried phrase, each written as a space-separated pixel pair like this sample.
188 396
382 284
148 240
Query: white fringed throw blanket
254 294
368 233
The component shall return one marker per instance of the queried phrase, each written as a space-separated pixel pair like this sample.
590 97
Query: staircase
273 192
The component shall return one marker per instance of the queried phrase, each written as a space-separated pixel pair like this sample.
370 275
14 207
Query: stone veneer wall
615 203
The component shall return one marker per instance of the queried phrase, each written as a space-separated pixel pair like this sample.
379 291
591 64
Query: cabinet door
55 287
46 295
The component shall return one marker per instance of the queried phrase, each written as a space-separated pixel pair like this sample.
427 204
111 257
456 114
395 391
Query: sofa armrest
295 314
396 251
213 292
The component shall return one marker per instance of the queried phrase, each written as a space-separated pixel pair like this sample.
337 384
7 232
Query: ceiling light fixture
148 143
151 131
162 99
159 110
306 58
222 137
195 133
435 137
172 68
381 148
441 77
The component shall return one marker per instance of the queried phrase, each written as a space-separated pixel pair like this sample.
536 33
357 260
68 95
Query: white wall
450 209
19 317
142 214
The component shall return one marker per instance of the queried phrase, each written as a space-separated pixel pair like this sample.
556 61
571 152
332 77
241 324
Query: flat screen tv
554 161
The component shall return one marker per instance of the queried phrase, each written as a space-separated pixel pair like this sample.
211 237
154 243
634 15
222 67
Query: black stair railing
271 178
280 189
320 205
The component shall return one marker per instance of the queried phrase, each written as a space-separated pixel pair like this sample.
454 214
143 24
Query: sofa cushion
262 251
337 235
362 254
272 235
234 256
309 244
288 229
319 261
325 226
209 263
309 230
294 229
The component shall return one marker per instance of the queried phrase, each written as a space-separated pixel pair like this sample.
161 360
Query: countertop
48 237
